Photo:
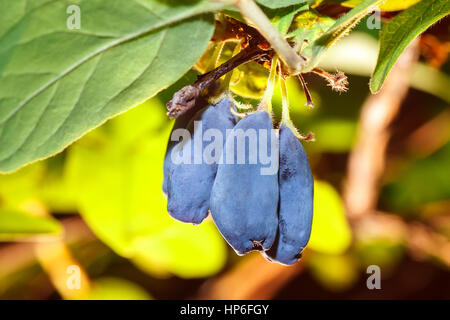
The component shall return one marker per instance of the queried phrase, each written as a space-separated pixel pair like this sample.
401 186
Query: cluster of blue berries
271 213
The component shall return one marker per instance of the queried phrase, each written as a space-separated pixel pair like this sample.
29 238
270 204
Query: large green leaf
57 84
16 225
400 31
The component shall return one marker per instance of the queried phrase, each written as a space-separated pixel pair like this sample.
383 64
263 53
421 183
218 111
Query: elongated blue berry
189 183
244 197
180 122
296 201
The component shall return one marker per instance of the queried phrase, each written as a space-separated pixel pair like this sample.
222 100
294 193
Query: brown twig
185 98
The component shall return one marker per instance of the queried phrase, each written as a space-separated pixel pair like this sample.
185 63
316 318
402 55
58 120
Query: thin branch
185 99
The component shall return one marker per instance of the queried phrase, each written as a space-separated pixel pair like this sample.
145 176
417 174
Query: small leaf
57 84
339 29
401 31
307 27
282 18
16 225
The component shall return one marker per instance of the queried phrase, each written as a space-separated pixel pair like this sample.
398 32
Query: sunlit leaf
396 35
330 232
57 84
16 225
283 18
308 26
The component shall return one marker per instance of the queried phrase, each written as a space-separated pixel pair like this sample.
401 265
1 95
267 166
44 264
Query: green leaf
282 18
16 225
307 27
117 169
339 29
401 31
280 3
330 232
57 84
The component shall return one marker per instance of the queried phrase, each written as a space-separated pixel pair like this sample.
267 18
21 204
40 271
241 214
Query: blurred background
91 222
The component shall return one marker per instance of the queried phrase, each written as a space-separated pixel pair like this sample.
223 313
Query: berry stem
285 117
266 102
309 101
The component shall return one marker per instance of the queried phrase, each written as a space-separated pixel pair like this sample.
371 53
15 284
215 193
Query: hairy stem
266 102
285 117
309 101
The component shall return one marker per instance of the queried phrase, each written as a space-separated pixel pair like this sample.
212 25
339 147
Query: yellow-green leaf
16 225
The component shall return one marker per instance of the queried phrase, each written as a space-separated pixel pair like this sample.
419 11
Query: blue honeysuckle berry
296 201
189 184
244 201
180 122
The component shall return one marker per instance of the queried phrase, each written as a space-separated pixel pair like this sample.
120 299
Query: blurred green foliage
116 289
420 181
16 225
